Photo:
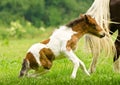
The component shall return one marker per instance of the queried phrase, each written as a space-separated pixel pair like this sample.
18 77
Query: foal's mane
74 22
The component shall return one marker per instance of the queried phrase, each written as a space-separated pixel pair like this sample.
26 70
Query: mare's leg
116 60
116 56
77 62
95 54
92 67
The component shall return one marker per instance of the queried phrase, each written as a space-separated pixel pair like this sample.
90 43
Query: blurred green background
27 18
24 22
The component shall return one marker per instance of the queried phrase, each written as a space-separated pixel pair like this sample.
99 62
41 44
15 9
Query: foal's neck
80 29
78 25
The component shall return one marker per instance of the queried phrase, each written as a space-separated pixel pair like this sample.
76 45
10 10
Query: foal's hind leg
38 73
77 62
24 69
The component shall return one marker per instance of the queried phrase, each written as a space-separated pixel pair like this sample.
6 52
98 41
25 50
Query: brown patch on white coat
46 58
45 41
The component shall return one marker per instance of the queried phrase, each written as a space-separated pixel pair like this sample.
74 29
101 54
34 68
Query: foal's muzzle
102 35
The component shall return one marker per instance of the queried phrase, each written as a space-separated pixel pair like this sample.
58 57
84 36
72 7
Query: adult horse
107 14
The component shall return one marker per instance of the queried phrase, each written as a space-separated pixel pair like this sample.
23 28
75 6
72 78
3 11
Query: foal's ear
81 15
86 18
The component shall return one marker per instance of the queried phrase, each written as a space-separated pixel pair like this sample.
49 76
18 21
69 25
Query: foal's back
59 39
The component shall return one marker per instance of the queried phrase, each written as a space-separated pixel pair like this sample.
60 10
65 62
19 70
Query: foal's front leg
77 62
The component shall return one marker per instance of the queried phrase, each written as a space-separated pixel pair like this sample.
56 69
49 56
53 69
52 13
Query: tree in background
41 12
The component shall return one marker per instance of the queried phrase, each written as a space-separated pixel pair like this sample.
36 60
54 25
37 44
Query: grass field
11 56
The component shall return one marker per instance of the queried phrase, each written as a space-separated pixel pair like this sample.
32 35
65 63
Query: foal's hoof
91 71
88 74
73 77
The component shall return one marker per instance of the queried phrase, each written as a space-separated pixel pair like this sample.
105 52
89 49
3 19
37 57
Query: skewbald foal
64 40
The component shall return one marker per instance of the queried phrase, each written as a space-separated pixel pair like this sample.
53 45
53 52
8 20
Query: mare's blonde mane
100 11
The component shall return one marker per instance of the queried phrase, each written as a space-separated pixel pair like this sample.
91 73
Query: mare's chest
114 10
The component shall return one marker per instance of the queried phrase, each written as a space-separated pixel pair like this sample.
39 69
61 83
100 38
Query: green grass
11 56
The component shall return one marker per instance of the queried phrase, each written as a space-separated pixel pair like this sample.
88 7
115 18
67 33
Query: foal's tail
24 68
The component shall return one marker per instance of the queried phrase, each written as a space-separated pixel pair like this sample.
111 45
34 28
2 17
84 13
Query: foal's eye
93 26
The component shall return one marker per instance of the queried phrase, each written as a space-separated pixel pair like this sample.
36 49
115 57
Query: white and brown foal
64 40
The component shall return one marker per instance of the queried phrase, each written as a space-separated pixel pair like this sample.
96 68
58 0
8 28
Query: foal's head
92 27
87 24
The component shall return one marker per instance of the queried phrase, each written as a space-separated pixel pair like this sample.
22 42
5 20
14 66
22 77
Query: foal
64 40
